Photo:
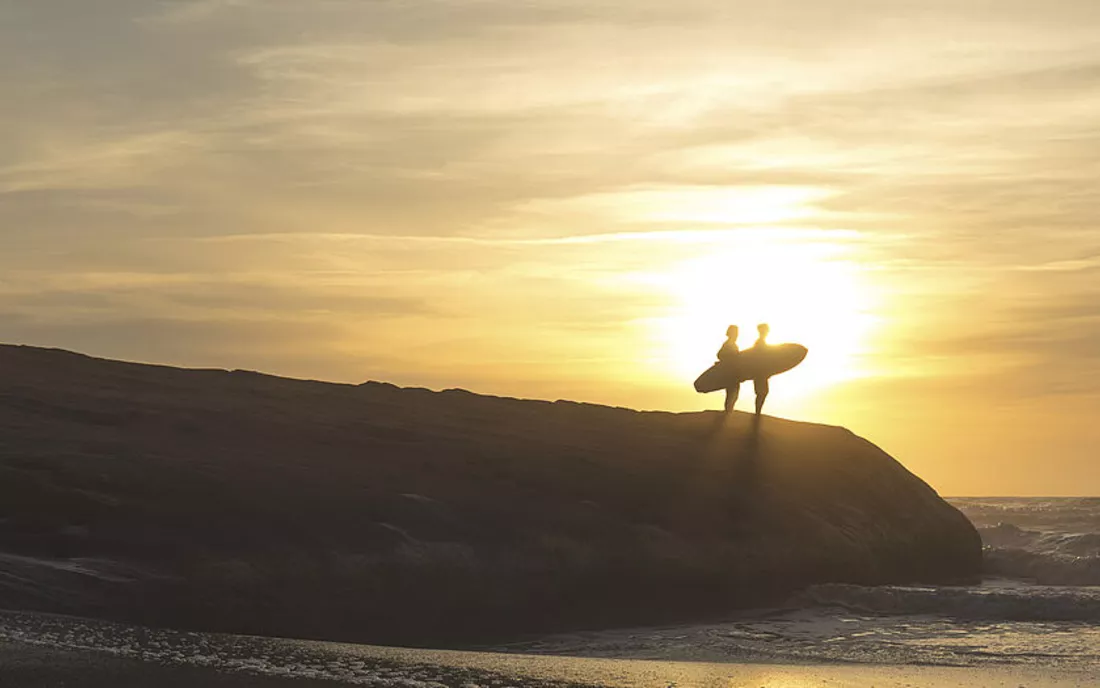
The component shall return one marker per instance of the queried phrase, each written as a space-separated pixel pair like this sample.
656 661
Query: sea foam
990 602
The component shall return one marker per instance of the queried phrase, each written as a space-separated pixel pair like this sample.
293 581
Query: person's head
763 330
731 331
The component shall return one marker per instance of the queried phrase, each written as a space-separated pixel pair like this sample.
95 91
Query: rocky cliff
243 502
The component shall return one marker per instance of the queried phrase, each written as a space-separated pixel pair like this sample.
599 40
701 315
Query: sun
811 292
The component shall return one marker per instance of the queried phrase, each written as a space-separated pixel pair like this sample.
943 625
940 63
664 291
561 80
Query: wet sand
31 666
28 666
47 651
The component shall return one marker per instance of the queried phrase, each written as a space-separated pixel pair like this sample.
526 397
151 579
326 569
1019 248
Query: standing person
727 354
760 385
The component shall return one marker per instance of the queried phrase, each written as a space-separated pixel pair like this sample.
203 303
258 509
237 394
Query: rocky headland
241 502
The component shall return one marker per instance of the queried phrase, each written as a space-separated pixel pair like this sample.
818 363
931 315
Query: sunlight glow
743 205
726 205
810 292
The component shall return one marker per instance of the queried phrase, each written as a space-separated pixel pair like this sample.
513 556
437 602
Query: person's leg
731 397
761 387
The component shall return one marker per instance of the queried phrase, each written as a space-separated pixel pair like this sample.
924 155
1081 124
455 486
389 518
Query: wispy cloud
464 174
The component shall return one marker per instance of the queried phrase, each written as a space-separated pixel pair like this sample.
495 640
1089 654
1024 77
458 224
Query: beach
47 650
1009 631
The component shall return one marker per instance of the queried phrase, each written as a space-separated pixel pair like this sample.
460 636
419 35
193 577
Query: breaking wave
1042 568
998 603
1063 515
1041 541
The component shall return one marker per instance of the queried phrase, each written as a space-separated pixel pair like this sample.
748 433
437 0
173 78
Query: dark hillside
238 501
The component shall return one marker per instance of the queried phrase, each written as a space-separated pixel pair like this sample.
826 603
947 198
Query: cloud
295 348
493 163
187 11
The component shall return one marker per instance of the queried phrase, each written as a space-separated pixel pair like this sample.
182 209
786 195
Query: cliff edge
243 502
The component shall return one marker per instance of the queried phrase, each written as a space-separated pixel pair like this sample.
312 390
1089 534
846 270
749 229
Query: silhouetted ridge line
248 502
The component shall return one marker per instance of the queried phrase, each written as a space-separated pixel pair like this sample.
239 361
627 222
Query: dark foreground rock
241 502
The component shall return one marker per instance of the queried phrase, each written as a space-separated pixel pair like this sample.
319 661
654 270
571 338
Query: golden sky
573 199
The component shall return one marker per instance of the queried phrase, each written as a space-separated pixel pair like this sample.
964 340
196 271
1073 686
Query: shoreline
66 654
27 664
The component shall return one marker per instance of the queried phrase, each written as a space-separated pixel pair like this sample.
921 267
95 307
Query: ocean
1038 606
1036 614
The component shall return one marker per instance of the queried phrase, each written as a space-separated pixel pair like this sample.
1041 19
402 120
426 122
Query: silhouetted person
727 354
760 385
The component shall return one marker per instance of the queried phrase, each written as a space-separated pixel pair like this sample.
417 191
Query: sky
567 199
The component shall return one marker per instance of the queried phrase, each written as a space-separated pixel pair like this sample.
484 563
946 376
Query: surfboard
750 364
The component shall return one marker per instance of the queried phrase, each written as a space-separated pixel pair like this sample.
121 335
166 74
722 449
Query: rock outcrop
242 502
